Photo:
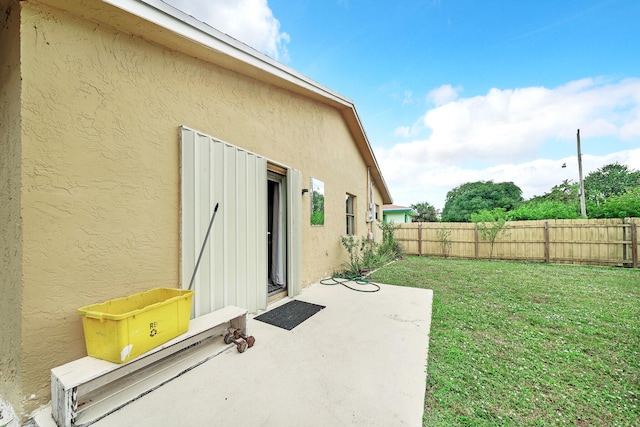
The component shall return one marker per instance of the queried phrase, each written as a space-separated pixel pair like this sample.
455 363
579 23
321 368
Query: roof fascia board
357 129
409 211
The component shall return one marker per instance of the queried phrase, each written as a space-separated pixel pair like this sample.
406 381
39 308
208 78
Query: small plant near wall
390 245
366 255
444 237
370 251
352 245
492 225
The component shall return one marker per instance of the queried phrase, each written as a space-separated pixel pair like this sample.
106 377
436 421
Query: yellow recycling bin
122 329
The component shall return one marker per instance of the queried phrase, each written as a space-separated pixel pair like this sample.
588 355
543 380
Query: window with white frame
351 217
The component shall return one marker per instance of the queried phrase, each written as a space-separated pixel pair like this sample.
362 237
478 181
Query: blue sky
459 91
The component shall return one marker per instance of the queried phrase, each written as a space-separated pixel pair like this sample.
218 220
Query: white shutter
233 268
294 234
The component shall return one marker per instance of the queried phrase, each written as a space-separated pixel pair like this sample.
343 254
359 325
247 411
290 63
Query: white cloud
249 21
498 136
402 131
443 94
536 177
408 97
513 123
409 131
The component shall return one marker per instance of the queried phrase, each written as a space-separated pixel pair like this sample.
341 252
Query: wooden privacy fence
612 242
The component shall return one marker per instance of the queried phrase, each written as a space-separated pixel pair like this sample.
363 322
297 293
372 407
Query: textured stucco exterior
91 171
10 216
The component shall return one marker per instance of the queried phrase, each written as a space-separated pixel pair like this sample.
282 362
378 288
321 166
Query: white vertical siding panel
256 231
209 299
261 233
294 219
249 238
243 258
261 270
203 212
187 188
219 231
233 269
230 222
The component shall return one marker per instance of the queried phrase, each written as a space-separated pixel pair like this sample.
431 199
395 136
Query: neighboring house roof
399 209
162 22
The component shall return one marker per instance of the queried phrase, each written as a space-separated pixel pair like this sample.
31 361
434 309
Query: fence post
634 244
547 255
419 239
475 235
624 241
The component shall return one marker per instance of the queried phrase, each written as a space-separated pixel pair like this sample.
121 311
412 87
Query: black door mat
290 315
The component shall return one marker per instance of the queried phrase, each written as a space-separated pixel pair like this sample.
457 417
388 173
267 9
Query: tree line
612 191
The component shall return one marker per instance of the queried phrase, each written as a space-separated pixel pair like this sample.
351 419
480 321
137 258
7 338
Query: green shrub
621 206
366 255
352 245
492 225
444 237
390 246
544 210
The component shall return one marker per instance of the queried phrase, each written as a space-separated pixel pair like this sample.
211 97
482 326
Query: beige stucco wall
100 170
10 220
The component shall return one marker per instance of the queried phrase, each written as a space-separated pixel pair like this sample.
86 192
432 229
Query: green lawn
528 344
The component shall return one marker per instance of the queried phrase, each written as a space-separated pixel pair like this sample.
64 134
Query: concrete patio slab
360 361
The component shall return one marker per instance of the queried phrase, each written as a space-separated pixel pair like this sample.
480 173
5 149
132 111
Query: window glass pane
350 210
317 202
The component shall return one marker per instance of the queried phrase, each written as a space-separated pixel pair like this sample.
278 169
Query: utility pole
583 207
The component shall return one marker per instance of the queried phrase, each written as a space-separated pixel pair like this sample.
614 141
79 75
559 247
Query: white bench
88 389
